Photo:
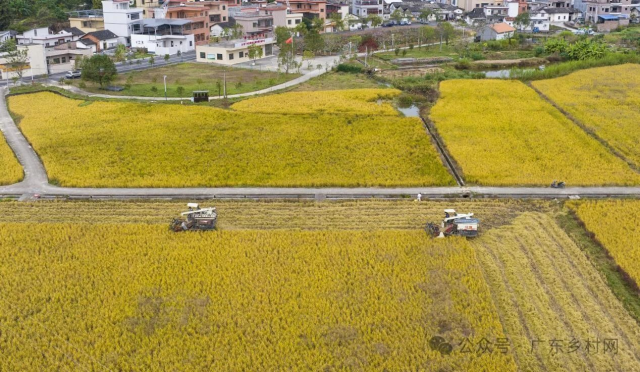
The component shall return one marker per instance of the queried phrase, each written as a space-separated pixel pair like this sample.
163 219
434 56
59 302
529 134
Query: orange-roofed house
496 31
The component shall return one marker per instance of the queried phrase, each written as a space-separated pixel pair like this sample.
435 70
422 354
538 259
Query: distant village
221 31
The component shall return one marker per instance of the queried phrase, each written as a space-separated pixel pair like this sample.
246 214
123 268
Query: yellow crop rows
114 144
502 133
353 101
135 297
616 224
10 169
606 100
553 304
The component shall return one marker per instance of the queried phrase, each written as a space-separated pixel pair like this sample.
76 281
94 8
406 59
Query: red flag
289 40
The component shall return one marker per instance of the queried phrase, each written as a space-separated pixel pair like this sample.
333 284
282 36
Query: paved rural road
36 182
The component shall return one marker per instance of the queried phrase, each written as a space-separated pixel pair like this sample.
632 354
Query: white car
583 31
73 75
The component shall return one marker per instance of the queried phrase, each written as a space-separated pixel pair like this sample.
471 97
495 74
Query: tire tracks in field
509 294
588 285
546 259
553 302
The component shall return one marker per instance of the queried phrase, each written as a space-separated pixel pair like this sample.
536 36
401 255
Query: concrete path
35 176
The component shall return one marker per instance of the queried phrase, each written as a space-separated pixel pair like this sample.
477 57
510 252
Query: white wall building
233 51
121 19
363 8
6 35
164 36
36 63
45 37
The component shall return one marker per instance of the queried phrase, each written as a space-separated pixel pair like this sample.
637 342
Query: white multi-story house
363 8
45 37
121 19
164 36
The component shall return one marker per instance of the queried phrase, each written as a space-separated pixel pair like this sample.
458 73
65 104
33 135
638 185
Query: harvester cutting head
454 224
195 219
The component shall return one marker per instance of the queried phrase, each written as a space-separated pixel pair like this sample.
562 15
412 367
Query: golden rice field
313 286
616 225
552 302
10 169
131 297
502 133
117 144
350 101
606 100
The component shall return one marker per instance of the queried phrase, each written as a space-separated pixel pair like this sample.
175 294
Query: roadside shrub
476 56
353 69
463 64
538 51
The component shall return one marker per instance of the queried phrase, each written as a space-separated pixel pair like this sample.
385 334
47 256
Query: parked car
583 31
73 74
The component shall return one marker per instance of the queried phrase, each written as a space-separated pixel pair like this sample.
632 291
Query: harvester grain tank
195 218
454 224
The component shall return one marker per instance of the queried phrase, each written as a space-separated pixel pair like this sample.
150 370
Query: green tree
374 20
337 20
78 62
5 15
152 61
232 32
166 58
20 8
255 52
97 4
99 69
282 35
522 21
397 15
313 41
428 33
180 91
445 32
17 59
286 58
120 53
317 24
425 14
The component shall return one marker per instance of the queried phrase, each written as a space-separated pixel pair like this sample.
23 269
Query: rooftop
559 10
502 28
102 35
237 43
157 22
74 31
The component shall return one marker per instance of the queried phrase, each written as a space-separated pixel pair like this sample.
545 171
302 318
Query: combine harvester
196 219
454 224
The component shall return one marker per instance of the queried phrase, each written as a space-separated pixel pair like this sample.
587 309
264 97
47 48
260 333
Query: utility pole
366 52
165 87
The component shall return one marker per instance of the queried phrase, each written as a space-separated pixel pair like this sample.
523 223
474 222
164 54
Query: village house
496 31
103 40
232 52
